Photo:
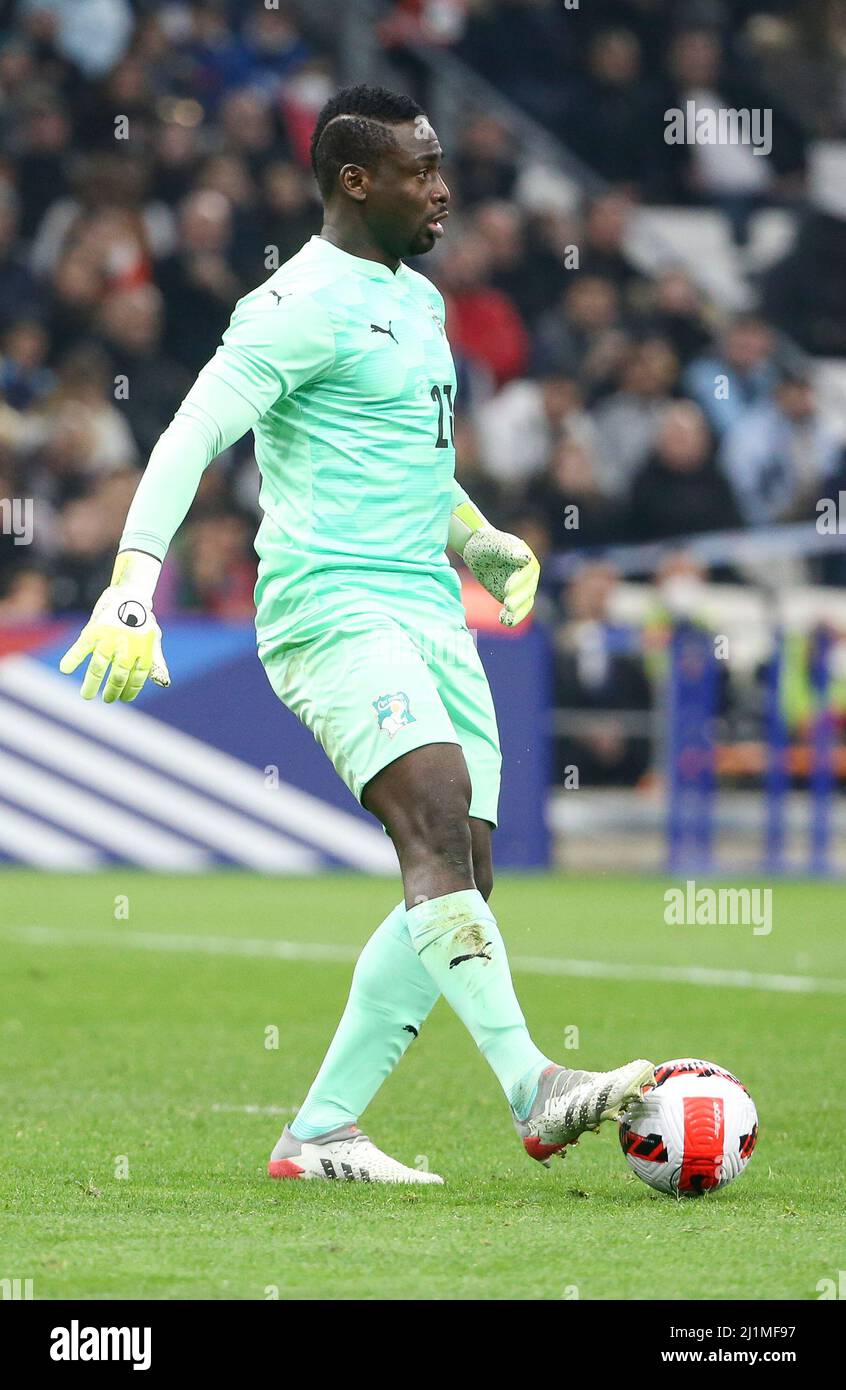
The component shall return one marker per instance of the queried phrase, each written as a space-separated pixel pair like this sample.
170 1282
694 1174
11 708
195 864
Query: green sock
390 997
459 942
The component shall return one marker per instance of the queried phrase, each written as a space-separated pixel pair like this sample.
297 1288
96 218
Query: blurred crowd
154 167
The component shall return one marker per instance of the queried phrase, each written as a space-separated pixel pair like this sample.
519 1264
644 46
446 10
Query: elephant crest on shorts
393 713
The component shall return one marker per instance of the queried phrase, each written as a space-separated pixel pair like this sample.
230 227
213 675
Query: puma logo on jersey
279 297
375 328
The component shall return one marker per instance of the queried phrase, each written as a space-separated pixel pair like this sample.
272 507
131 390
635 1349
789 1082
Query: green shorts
375 686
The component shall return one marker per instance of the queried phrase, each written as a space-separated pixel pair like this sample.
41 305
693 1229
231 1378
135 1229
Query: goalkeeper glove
122 633
502 563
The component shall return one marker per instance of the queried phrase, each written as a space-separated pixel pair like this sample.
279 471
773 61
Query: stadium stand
154 155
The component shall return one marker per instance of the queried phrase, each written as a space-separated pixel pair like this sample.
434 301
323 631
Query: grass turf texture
120 1049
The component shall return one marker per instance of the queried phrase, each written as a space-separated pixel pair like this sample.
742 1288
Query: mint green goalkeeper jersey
343 370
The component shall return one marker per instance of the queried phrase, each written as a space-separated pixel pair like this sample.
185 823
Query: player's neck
356 241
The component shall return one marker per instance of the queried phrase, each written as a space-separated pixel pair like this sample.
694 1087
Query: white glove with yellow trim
122 633
502 563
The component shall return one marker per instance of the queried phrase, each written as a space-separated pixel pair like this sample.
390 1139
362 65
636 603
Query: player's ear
354 181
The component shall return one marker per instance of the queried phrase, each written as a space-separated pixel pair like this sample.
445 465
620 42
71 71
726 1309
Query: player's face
406 197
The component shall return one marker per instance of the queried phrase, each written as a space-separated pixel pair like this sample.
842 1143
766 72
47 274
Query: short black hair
363 138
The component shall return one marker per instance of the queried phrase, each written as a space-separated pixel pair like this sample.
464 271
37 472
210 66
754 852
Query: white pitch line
680 975
202 945
262 948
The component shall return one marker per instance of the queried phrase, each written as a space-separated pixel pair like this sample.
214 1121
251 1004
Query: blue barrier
215 771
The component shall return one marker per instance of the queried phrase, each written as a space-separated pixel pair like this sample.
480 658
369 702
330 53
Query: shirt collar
371 270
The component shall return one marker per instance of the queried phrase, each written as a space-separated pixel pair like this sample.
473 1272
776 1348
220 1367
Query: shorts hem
484 813
480 807
419 740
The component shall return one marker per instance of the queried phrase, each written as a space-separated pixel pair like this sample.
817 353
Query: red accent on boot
284 1168
536 1148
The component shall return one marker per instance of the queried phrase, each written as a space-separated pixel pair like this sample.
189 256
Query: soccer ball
693 1131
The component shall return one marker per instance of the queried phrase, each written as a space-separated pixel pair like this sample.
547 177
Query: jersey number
438 395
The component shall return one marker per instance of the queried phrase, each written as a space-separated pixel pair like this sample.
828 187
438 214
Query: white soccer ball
693 1132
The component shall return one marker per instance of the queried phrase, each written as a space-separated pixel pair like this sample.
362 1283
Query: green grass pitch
136 1045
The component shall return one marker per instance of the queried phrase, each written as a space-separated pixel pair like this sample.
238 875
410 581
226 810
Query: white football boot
343 1153
570 1102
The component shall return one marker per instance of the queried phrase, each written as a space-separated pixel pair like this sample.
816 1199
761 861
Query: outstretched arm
266 353
122 631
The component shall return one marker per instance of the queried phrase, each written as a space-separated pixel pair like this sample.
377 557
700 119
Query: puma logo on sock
474 955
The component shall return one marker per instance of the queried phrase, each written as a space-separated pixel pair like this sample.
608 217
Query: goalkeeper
340 365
